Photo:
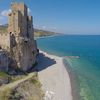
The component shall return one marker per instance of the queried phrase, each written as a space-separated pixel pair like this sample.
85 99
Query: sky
62 16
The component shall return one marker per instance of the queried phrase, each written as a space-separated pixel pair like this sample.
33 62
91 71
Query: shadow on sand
44 62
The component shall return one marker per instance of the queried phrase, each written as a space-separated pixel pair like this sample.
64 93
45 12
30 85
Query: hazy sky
65 16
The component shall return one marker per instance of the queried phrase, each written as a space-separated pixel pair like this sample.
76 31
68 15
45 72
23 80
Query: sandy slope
54 77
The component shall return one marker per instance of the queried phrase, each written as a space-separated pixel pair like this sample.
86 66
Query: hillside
40 33
37 32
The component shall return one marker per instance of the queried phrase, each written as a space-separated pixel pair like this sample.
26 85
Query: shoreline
41 37
73 81
65 80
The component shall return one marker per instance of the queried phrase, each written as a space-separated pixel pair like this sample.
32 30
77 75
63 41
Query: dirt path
14 84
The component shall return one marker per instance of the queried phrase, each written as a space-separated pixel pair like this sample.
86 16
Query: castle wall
30 27
28 58
4 61
23 54
15 19
5 41
22 8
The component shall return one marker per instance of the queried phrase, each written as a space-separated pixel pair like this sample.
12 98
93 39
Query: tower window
10 33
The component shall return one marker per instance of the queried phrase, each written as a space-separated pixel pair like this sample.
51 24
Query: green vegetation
4 78
29 89
17 77
3 74
42 33
35 81
4 95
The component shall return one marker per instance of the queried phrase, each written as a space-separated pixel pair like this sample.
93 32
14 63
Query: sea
86 67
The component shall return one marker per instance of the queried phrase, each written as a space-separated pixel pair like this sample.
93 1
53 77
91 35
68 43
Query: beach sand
54 77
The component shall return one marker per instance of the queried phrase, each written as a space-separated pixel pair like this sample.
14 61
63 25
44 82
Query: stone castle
19 41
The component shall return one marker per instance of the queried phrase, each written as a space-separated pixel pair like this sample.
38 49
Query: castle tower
22 42
18 19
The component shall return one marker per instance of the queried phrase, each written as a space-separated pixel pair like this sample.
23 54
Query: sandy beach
54 77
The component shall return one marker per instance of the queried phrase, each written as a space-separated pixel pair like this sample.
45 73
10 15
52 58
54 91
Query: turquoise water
87 67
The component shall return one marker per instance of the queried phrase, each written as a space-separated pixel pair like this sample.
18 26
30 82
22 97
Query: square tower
15 23
18 19
22 43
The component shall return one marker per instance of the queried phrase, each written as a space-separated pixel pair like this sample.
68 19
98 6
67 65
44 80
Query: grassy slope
28 85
